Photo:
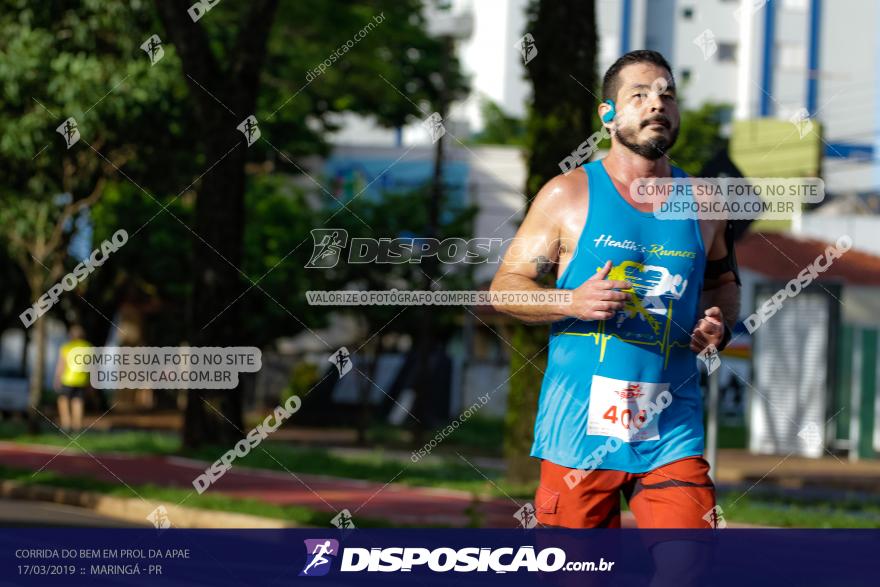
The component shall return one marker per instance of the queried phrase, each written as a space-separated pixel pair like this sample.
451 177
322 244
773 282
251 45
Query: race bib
628 410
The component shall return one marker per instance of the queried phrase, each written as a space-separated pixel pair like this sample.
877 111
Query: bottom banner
41 556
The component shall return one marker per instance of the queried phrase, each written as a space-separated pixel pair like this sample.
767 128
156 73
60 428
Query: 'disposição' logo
320 553
328 245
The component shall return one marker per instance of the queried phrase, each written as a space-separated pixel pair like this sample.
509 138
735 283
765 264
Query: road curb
136 510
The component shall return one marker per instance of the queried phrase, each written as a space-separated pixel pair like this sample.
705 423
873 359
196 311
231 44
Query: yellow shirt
69 376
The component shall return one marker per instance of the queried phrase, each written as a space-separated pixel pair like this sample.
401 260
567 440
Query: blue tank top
623 393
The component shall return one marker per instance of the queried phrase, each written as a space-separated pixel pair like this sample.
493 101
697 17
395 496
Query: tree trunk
225 94
427 331
38 373
560 119
365 419
217 257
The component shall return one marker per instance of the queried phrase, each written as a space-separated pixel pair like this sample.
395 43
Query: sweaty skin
551 228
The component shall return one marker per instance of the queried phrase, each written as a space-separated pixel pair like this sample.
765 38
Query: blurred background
219 134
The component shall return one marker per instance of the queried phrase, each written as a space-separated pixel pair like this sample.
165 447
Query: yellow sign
769 147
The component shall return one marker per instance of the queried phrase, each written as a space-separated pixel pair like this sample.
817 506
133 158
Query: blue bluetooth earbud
609 116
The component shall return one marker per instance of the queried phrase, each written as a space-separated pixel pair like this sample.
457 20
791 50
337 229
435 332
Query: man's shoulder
563 190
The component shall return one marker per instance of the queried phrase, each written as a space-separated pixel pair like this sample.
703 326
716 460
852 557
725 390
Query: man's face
647 121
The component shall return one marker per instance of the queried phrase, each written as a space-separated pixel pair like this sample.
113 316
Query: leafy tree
560 118
278 214
499 128
276 250
223 73
166 133
563 109
78 59
154 273
700 137
396 215
241 59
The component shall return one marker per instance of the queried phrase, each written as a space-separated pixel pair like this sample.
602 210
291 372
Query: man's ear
607 111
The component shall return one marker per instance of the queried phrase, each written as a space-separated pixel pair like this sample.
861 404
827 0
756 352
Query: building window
687 13
727 52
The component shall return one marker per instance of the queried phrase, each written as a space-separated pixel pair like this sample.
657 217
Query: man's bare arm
535 252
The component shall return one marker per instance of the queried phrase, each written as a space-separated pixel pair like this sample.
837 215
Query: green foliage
83 60
14 295
277 247
499 129
278 220
786 513
79 59
527 368
478 435
277 230
399 215
389 74
152 135
482 435
700 137
152 268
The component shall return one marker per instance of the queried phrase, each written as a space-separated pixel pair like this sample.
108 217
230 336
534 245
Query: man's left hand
709 330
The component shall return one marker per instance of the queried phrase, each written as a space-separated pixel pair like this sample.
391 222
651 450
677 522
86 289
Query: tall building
770 58
807 63
784 59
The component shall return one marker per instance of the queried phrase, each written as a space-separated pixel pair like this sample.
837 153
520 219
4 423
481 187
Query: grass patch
799 513
449 473
135 443
479 435
732 436
294 514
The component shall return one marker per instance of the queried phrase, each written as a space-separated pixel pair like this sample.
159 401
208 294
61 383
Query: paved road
19 514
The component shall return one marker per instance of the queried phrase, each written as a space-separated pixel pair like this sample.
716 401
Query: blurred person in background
70 384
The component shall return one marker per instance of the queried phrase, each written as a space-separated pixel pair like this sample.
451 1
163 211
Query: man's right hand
598 298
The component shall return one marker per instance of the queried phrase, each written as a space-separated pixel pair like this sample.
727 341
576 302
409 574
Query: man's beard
653 149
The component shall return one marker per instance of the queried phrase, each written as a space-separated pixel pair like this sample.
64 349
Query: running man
70 384
319 551
620 409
